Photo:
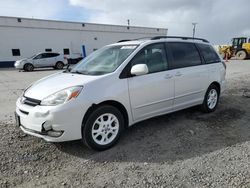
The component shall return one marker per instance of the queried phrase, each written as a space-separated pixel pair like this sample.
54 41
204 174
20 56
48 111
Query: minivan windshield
104 61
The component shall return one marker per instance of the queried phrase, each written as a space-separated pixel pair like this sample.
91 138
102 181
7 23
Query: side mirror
139 69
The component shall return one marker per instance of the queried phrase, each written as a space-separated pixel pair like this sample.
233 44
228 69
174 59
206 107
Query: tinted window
184 55
154 56
209 54
16 52
48 55
38 56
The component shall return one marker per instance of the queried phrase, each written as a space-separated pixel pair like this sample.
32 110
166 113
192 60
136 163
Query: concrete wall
33 35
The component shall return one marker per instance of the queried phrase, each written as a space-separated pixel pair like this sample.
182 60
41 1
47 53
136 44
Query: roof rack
178 37
125 40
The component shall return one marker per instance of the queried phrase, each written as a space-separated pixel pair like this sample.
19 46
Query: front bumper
18 65
52 123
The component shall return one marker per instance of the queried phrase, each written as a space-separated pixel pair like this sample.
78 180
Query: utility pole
128 23
194 28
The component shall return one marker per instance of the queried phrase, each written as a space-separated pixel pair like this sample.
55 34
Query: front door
151 94
39 60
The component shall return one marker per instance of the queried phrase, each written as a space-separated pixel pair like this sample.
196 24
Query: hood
20 60
56 82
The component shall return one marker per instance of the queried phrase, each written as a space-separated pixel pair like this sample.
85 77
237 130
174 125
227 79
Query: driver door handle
168 76
178 74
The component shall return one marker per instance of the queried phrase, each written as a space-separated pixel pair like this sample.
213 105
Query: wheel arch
27 63
240 49
60 62
217 84
113 103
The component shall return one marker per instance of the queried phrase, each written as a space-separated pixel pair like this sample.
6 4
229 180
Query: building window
19 20
48 50
16 52
66 51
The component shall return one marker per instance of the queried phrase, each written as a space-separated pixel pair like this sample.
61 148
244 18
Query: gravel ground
183 149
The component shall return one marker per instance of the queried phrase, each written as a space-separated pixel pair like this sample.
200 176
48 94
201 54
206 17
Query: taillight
224 64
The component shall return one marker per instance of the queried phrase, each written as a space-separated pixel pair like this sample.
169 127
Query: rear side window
183 54
48 55
209 54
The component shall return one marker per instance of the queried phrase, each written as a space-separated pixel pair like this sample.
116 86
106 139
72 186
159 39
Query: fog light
47 126
53 133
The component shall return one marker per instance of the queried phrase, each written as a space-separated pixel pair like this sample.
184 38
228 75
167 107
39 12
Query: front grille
31 102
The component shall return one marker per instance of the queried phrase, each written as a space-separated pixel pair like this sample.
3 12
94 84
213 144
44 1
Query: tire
101 137
211 99
28 67
241 55
59 65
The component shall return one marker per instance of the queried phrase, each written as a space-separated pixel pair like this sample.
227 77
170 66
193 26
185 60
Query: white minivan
119 85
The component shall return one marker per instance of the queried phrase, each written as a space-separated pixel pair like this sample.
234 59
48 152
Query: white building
24 37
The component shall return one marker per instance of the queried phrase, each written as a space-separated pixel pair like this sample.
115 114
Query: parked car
46 59
119 85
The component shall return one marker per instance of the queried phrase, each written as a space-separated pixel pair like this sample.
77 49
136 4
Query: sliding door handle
178 74
168 76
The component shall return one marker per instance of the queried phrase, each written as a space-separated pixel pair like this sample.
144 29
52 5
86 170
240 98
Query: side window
209 54
183 55
38 56
52 55
46 55
154 56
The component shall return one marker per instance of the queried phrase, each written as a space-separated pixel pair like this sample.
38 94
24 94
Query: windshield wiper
79 72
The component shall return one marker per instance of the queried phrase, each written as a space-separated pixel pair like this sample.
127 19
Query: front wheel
28 67
211 99
103 128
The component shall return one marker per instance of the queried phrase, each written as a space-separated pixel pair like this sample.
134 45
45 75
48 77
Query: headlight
62 96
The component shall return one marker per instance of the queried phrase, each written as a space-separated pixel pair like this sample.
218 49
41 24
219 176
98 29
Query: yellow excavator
240 48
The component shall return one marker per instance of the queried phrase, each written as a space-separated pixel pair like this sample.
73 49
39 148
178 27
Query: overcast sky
218 20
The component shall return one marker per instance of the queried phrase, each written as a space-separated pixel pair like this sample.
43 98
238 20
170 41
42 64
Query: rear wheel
28 67
103 128
241 55
211 99
59 65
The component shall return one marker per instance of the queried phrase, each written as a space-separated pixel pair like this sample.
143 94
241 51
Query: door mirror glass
139 69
